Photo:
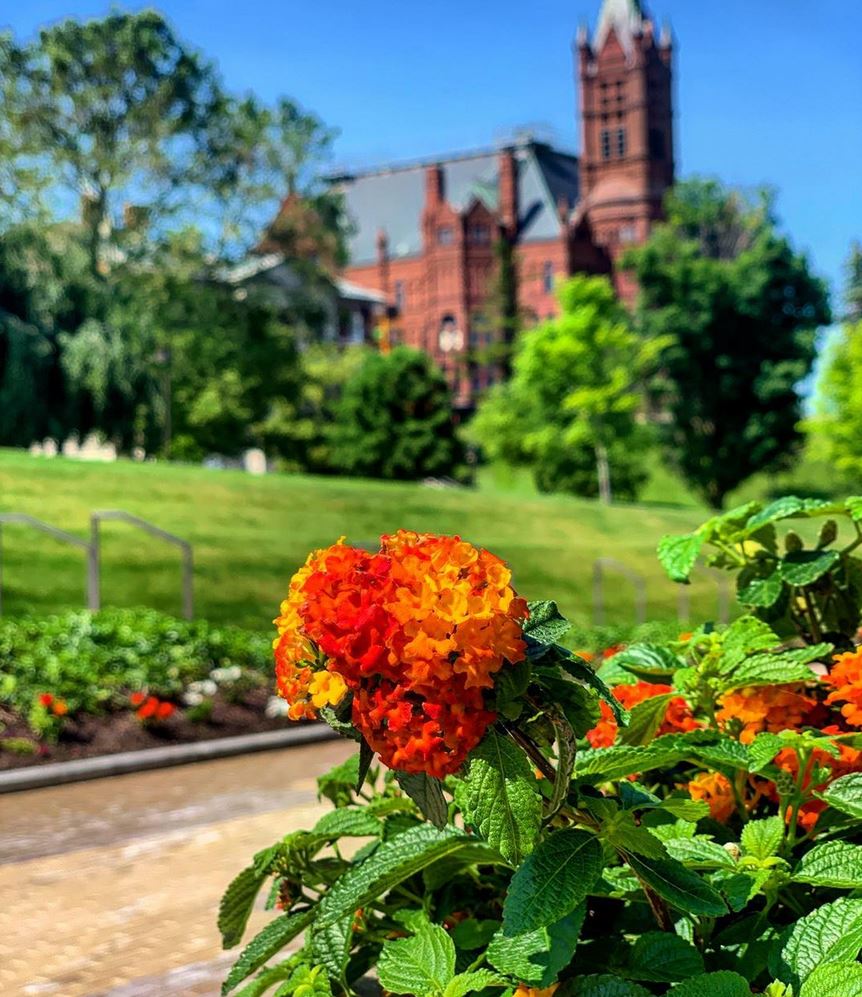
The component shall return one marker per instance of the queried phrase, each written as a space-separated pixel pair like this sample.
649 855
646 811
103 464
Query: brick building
424 234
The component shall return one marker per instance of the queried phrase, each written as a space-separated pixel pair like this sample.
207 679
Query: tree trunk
604 474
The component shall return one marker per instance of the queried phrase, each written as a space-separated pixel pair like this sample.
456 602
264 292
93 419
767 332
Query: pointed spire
627 19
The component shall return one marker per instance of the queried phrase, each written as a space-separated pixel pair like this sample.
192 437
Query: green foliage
742 308
422 965
394 420
93 661
814 591
837 419
568 410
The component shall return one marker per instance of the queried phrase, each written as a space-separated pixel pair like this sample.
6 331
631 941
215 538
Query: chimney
383 260
508 192
433 185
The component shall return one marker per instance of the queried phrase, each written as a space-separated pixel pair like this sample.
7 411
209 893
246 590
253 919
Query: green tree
395 420
853 292
743 309
569 409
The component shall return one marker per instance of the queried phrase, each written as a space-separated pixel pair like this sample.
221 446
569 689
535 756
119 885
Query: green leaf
662 957
723 984
546 623
699 853
366 757
762 592
648 660
619 761
762 838
345 823
840 979
829 934
427 793
393 862
743 638
582 672
679 554
537 957
803 567
782 508
422 965
837 864
566 749
552 881
679 886
267 977
624 834
762 750
330 946
776 669
265 944
307 981
854 507
499 796
468 983
236 905
338 783
685 808
645 719
845 794
604 985
471 933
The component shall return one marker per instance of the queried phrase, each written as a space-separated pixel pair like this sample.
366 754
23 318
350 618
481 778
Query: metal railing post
637 582
94 566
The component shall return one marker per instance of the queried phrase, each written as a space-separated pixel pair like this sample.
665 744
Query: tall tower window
548 277
606 144
621 142
400 296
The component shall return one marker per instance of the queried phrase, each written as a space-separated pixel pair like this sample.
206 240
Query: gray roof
392 198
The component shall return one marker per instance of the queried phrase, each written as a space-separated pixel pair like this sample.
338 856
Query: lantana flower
678 716
845 677
750 711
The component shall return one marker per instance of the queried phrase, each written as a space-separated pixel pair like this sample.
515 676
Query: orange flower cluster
678 716
151 707
846 681
416 631
750 711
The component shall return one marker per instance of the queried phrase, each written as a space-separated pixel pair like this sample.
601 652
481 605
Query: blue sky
768 91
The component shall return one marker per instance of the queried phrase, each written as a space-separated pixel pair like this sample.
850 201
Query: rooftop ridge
401 166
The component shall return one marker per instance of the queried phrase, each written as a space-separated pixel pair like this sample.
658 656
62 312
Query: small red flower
164 710
60 707
137 698
45 699
149 708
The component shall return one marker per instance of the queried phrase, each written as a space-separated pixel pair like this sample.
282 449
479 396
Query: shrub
685 821
90 662
394 420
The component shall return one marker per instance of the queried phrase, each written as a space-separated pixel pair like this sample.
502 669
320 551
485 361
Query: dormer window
445 235
479 235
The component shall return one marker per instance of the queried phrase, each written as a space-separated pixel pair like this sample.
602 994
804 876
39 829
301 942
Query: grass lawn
250 534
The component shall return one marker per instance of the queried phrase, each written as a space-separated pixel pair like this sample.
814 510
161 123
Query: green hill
249 535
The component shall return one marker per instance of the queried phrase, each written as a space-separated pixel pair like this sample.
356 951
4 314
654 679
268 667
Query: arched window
548 277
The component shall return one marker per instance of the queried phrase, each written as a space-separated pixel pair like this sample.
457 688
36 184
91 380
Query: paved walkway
110 888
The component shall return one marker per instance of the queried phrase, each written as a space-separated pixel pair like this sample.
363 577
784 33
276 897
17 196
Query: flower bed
680 818
83 684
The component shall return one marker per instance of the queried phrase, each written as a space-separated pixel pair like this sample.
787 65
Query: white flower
224 676
192 698
206 687
276 707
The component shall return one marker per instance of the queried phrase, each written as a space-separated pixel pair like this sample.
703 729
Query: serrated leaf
269 976
662 957
803 567
265 944
236 904
309 981
604 985
840 979
345 823
837 864
679 554
681 887
338 783
552 881
546 623
624 834
685 808
566 749
780 668
648 660
722 984
645 719
845 794
739 888
762 750
422 965
579 670
762 838
391 863
499 796
618 761
829 934
762 592
468 983
537 957
330 946
854 507
427 793
744 637
781 508
699 853
471 933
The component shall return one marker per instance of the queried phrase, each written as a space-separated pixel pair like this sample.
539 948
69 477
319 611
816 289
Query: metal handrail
52 531
722 584
95 545
609 563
